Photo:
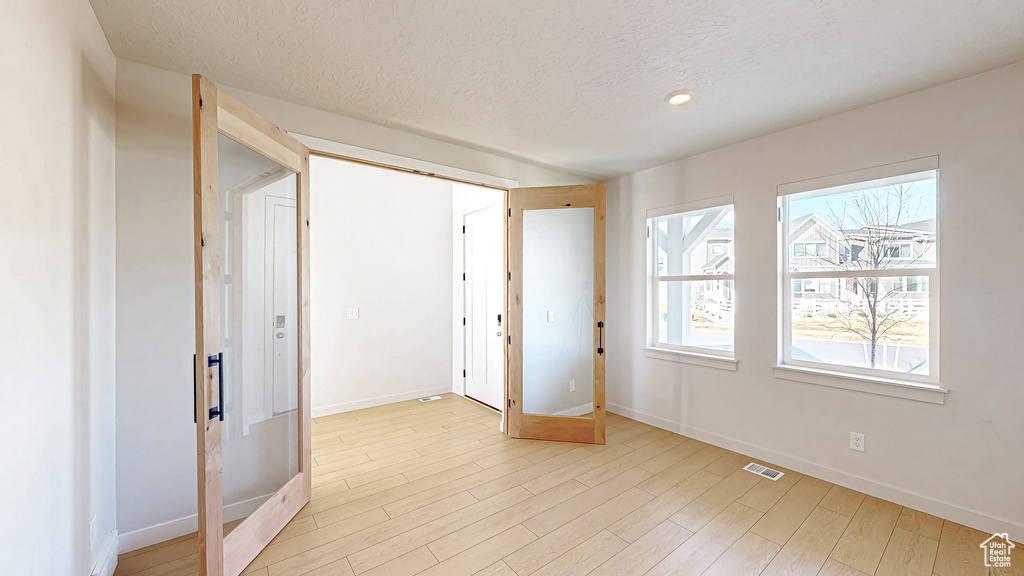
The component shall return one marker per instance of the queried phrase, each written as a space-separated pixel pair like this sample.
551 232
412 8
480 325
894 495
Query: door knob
279 335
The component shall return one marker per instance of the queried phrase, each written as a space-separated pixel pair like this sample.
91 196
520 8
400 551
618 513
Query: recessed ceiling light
678 97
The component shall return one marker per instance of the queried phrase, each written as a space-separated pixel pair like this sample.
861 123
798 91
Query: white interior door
485 304
284 307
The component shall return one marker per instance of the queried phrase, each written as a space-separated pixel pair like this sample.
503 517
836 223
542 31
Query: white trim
867 273
695 277
576 410
693 206
106 564
901 496
427 168
167 530
707 360
885 175
884 386
331 409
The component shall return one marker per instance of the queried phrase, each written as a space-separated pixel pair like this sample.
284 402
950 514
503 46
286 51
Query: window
691 277
810 250
813 286
899 251
910 284
859 259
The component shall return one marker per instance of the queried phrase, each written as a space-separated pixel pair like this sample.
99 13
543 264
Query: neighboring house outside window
859 260
691 279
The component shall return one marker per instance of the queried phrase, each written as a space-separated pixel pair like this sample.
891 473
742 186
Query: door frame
216 112
582 429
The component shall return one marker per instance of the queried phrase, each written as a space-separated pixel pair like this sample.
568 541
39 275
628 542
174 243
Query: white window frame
876 380
662 350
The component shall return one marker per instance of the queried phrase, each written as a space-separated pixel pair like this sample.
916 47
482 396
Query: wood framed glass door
252 328
556 299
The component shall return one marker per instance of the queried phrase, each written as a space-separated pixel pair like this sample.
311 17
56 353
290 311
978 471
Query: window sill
883 386
707 360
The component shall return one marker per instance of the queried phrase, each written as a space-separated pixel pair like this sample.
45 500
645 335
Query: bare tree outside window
870 224
850 294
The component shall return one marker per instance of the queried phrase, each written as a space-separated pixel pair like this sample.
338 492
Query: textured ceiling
577 84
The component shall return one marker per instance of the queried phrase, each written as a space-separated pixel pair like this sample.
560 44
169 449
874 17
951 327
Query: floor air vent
430 398
763 471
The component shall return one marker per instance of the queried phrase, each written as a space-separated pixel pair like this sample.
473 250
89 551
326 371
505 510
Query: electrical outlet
92 532
352 313
551 315
856 441
572 385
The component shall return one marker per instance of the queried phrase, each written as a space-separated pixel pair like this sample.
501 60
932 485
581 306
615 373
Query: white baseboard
161 532
577 410
320 411
107 561
901 496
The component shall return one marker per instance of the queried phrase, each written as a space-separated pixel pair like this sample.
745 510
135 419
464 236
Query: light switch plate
551 315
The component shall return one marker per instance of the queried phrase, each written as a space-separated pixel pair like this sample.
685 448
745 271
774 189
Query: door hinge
463 229
510 340
780 213
463 373
509 276
463 320
509 402
509 212
463 276
648 231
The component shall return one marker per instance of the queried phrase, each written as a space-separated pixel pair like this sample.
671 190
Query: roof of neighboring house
918 228
922 225
799 226
722 262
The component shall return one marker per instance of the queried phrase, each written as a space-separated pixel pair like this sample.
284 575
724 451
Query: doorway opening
481 213
396 299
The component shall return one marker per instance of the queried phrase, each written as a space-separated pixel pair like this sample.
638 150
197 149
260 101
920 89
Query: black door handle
600 338
218 361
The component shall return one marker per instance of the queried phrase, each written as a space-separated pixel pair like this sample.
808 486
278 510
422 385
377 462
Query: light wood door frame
582 429
213 112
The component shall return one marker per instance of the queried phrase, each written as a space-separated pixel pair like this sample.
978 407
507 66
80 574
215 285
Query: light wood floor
435 489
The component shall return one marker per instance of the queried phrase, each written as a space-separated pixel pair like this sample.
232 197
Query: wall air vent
763 471
430 398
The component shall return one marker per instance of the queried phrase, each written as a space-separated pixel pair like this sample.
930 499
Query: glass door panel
558 311
259 316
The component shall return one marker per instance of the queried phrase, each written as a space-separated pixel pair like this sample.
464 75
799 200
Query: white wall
156 439
380 241
57 263
959 460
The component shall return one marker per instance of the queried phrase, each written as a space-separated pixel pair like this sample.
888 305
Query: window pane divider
696 278
866 273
